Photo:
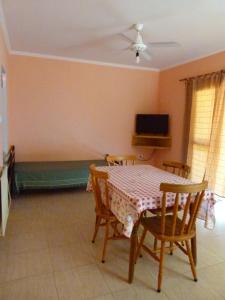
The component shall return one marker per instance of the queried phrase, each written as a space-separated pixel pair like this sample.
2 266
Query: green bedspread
50 175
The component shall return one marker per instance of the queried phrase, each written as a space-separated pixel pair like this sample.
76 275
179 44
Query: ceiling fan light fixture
137 57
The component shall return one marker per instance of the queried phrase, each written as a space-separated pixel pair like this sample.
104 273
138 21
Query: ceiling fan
142 49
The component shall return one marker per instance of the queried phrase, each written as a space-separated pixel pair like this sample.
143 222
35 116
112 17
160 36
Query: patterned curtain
206 143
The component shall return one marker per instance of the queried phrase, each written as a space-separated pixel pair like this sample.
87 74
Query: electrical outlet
140 156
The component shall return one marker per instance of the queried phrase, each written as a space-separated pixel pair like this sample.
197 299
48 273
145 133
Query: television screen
155 124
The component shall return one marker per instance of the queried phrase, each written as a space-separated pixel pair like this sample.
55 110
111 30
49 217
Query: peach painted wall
61 110
172 98
4 63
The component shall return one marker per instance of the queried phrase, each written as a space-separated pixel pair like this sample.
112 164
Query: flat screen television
155 124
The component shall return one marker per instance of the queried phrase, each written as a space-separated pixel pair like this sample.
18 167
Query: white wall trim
4 28
93 62
191 60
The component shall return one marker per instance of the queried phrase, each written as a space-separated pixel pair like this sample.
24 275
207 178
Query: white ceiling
91 29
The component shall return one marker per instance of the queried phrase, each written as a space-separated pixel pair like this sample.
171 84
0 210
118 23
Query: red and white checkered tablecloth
133 189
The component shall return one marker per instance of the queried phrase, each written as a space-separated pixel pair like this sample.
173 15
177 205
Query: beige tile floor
47 254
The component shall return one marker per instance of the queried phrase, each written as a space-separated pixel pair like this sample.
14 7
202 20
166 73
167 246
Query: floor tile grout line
210 266
7 282
28 251
57 292
94 263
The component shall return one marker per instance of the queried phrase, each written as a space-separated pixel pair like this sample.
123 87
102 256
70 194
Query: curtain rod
206 74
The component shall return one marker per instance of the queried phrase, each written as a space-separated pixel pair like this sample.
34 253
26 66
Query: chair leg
191 260
161 266
105 240
171 248
138 250
97 224
137 244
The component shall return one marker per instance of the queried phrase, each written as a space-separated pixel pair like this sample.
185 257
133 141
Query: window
202 113
206 149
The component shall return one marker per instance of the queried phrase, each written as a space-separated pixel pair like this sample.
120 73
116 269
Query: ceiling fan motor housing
139 26
139 44
139 47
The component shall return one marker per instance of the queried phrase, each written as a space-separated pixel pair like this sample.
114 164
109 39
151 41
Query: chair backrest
99 187
177 168
121 160
189 197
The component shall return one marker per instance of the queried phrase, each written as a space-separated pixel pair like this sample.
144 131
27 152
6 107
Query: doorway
4 193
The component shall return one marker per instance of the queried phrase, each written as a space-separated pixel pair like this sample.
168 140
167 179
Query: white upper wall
91 29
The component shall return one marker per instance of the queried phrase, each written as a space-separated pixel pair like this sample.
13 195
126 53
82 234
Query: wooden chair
171 227
121 160
9 161
102 208
177 168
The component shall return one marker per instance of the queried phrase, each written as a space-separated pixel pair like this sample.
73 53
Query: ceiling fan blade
125 37
126 49
164 44
146 55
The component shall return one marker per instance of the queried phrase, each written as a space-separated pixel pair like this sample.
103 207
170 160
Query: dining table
134 189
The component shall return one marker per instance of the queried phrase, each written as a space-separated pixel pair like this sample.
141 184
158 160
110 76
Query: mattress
52 175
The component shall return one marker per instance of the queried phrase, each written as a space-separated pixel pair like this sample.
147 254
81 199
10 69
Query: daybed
52 174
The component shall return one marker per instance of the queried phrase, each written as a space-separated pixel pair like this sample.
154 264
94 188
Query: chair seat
157 211
153 224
